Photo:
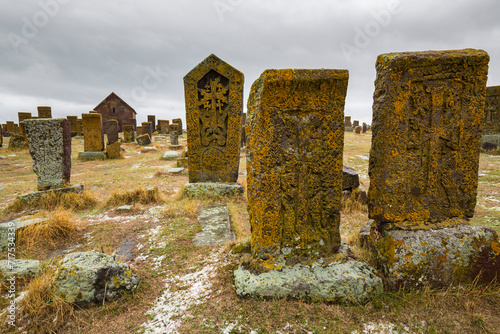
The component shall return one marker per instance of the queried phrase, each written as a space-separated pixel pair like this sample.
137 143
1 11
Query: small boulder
19 268
143 140
350 179
85 278
170 155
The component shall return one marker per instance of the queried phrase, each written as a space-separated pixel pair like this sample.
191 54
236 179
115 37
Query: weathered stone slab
73 120
86 278
214 104
92 132
491 121
355 124
211 188
143 140
111 128
33 197
22 116
44 112
8 231
10 127
170 155
152 120
365 127
79 128
128 134
163 126
243 140
350 178
18 142
427 114
174 134
147 128
183 162
294 162
50 147
347 122
357 130
1 136
178 121
20 268
176 170
113 150
438 257
348 282
90 156
216 226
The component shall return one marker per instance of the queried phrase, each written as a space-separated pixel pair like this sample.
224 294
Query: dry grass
59 226
40 310
54 201
138 195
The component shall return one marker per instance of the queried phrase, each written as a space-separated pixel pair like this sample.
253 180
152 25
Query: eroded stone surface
44 112
216 226
170 155
128 134
33 197
111 128
350 178
8 231
50 147
294 162
19 268
214 104
113 150
143 140
427 114
212 188
491 121
92 132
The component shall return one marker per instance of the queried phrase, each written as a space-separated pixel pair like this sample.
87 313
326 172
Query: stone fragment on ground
170 155
143 140
211 189
86 278
175 170
350 178
216 226
13 226
19 268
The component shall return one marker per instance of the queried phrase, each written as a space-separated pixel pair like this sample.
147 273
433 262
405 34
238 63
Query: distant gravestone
423 169
347 122
214 104
243 141
44 112
294 162
50 148
491 122
152 120
128 134
178 121
73 120
10 127
174 134
79 127
113 150
365 127
111 128
93 138
139 130
357 130
22 116
143 140
147 128
355 124
163 126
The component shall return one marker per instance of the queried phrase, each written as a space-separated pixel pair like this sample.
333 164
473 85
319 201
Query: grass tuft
53 201
139 195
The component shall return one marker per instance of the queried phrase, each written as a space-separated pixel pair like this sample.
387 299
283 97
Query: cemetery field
187 288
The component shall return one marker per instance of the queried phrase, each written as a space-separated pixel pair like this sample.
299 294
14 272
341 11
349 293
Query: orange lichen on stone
427 113
44 112
92 132
294 162
214 104
491 121
128 134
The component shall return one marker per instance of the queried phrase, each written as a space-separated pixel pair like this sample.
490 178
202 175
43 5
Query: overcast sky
71 54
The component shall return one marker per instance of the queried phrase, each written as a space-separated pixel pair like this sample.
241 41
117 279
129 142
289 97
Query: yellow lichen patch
427 115
214 104
92 132
295 141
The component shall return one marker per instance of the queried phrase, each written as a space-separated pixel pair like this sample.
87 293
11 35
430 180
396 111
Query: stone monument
44 112
73 120
152 120
113 145
214 104
347 122
179 122
427 116
147 128
93 137
128 134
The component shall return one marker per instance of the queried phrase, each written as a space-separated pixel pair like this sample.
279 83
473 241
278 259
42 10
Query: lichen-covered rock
344 282
170 155
294 162
128 134
44 112
113 150
19 268
143 140
491 120
147 128
111 129
350 178
438 256
93 137
201 189
18 142
50 147
427 114
178 121
214 104
86 278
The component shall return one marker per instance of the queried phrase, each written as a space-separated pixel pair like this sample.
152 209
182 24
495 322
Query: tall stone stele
294 162
50 147
128 134
44 112
491 123
427 117
214 104
93 138
178 121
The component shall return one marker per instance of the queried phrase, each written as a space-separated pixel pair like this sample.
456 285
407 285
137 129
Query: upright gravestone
355 124
294 168
152 120
427 114
79 128
128 134
174 136
163 126
347 122
178 121
44 112
22 116
50 148
111 129
73 120
147 128
365 127
11 127
243 141
93 137
491 124
214 104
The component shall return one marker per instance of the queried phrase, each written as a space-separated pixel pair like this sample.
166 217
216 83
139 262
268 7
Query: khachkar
214 103
50 148
427 115
44 112
492 111
93 138
294 174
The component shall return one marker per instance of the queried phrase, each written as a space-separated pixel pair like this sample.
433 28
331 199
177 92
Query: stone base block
438 257
216 226
212 189
19 268
342 282
175 147
31 198
113 150
175 171
87 155
170 155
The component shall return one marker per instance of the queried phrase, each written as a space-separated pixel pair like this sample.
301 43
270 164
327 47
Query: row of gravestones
427 116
